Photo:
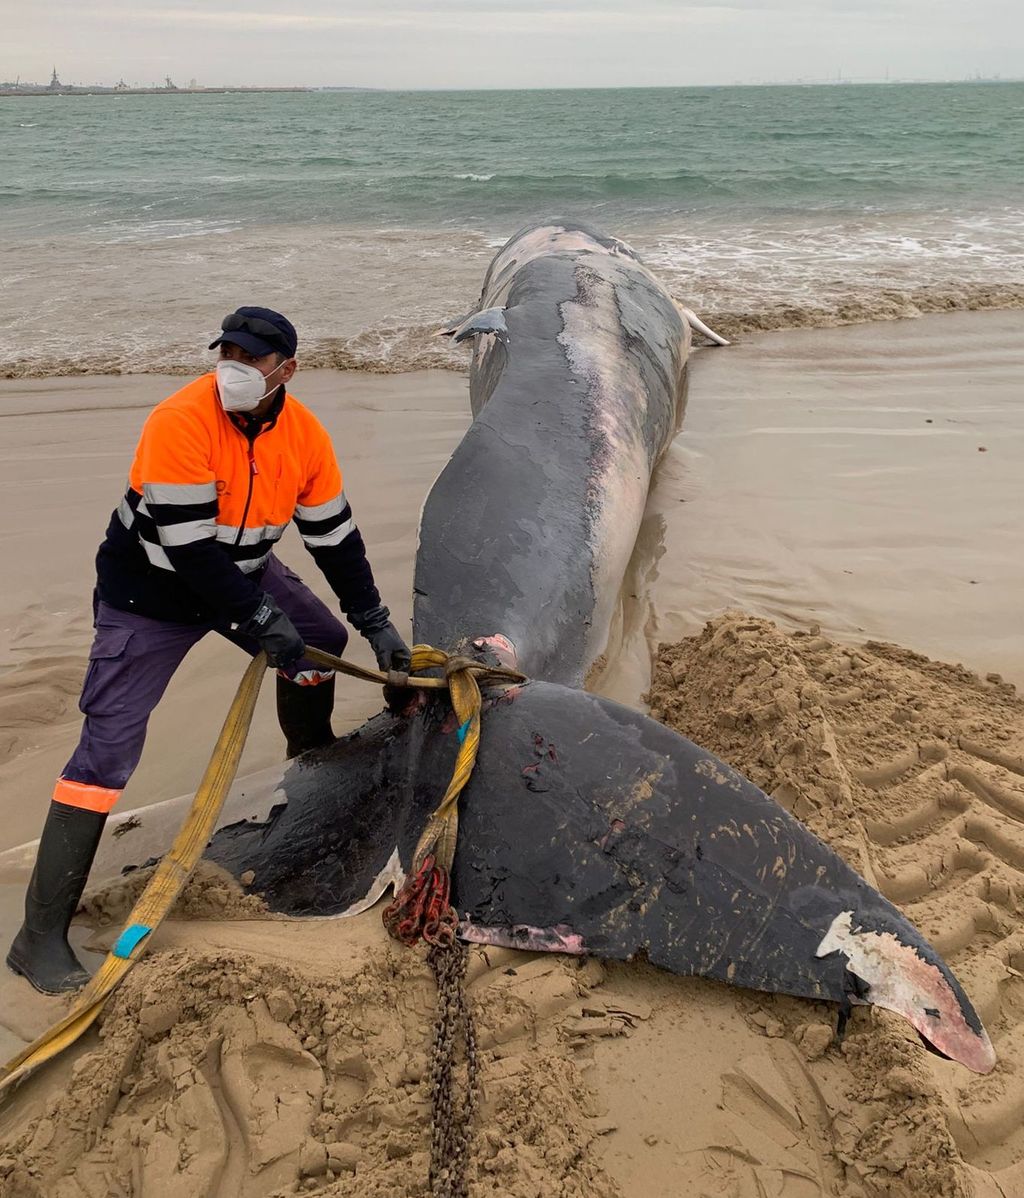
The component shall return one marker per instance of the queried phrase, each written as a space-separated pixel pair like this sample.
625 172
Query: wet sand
807 485
867 479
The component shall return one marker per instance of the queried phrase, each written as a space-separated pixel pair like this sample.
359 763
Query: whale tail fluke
617 836
587 827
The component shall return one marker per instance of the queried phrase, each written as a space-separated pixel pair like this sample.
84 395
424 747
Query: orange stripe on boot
81 794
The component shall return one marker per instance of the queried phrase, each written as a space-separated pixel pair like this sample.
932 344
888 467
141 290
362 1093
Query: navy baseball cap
259 331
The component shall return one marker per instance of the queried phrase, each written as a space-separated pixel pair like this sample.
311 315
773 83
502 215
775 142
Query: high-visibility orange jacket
208 496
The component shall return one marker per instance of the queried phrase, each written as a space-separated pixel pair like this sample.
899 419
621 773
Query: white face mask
241 387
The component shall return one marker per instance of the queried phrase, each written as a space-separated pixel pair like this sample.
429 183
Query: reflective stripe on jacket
199 483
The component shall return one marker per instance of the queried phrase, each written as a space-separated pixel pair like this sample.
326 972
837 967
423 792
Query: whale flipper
698 326
491 320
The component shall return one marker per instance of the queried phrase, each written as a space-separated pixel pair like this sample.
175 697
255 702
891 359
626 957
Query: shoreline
396 347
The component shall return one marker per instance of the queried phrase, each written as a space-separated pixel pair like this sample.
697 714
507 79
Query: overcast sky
514 43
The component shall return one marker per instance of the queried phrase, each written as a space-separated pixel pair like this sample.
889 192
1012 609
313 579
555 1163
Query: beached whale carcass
586 827
577 386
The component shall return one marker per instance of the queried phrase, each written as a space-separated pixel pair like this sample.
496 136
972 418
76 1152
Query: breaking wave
395 348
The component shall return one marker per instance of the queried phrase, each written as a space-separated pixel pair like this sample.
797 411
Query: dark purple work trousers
132 660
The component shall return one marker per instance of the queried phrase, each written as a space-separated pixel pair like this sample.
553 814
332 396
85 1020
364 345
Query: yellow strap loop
461 674
442 830
176 867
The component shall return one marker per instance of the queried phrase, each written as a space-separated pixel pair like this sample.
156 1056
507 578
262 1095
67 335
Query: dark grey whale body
586 826
576 393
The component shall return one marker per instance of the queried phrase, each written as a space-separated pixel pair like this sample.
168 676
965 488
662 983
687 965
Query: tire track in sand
914 771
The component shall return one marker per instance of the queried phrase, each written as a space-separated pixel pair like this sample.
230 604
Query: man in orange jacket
221 468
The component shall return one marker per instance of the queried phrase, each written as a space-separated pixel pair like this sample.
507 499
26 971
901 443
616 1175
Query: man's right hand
275 633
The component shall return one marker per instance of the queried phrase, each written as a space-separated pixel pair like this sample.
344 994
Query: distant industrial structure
169 88
56 88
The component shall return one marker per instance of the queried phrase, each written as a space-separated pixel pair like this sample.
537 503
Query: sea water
130 224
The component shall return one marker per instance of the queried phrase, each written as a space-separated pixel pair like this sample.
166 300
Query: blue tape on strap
129 938
461 732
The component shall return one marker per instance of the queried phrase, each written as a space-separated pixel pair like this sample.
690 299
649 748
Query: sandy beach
852 497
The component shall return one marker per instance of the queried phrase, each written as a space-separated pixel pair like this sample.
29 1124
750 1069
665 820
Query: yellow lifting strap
164 886
176 866
442 828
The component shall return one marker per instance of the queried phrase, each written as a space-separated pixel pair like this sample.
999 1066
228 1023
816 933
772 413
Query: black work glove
275 633
391 652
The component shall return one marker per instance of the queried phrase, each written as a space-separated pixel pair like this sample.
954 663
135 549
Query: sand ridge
223 1072
271 1057
914 771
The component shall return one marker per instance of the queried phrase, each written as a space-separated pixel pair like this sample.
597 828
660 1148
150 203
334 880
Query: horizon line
863 81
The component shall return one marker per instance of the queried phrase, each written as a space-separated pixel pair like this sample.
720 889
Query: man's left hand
391 652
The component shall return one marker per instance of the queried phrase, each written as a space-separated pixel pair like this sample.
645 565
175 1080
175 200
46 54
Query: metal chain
452 1119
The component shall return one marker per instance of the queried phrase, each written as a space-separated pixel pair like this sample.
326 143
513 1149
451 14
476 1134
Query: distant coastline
39 89
145 91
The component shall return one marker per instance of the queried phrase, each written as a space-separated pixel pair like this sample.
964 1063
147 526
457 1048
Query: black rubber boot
40 952
304 713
